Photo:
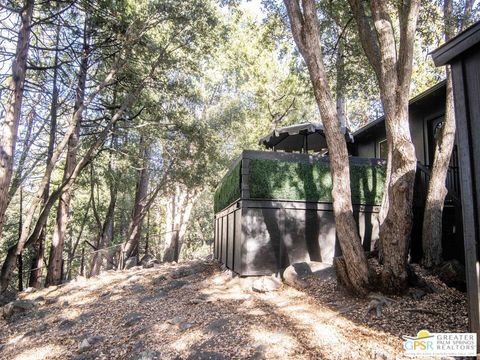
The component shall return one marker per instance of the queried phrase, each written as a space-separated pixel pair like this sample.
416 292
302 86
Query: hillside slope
195 310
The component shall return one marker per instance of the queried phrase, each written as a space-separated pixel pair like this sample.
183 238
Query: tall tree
178 211
138 212
392 65
306 33
55 262
9 129
36 268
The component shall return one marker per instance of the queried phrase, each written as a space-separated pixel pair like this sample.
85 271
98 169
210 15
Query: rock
379 354
416 293
130 263
40 314
183 326
295 274
175 321
137 288
184 271
51 301
149 261
217 326
180 323
157 295
159 280
39 299
141 331
196 301
85 317
66 325
174 285
42 328
146 355
132 318
17 307
259 352
106 294
7 297
84 345
266 284
29 290
87 343
452 273
206 355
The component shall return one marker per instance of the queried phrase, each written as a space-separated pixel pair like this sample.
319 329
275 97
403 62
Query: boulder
131 263
266 284
295 274
149 261
17 307
132 318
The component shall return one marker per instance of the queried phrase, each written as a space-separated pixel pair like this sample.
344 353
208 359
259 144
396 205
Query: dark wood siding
463 54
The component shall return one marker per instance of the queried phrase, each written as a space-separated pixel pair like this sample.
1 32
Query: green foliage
273 179
229 189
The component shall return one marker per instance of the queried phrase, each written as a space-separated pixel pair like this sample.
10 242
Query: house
274 208
426 112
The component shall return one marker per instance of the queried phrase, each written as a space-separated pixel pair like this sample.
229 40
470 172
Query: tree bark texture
392 65
437 191
105 236
139 207
9 130
38 248
179 210
58 240
306 33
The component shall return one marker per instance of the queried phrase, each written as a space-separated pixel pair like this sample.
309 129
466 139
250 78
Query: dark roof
457 45
292 138
439 87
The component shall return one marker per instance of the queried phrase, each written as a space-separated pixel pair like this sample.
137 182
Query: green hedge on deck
229 189
283 180
272 179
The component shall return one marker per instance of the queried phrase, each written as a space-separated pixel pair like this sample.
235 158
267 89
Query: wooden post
463 54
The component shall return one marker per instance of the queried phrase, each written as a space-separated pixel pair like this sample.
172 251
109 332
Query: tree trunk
397 224
437 191
58 240
306 34
38 247
9 129
31 230
179 210
105 237
340 85
392 65
20 257
139 207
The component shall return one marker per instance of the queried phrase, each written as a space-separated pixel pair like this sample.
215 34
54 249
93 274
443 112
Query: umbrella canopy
299 137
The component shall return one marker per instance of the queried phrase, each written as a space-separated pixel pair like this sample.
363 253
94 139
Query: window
382 149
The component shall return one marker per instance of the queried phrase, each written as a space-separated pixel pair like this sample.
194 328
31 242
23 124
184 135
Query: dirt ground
196 310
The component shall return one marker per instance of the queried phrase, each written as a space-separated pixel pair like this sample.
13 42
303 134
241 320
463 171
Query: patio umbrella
299 137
